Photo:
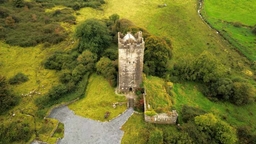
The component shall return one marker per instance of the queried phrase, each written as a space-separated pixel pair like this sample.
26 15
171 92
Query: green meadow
235 20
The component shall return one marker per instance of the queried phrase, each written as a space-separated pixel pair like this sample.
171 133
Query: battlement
125 41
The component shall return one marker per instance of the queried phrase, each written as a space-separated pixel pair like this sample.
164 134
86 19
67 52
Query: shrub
7 100
243 93
65 76
245 135
220 131
16 131
237 24
107 68
114 17
254 30
155 137
157 55
88 60
20 26
93 35
188 113
56 92
18 79
150 113
18 3
59 61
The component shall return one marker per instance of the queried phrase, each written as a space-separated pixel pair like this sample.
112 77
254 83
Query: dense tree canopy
7 100
93 35
88 60
220 131
107 68
157 55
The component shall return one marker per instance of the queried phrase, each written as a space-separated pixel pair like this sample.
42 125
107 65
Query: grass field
28 61
188 94
157 96
235 20
98 100
137 130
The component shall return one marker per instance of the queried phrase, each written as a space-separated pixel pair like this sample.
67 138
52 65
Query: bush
155 137
18 79
14 132
57 91
93 35
254 30
7 100
237 24
20 26
88 60
59 61
243 93
188 113
245 135
107 68
220 131
150 113
65 76
157 55
18 3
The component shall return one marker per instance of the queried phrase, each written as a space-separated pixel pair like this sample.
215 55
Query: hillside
194 46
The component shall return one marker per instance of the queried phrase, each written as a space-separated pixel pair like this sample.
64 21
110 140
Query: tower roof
129 36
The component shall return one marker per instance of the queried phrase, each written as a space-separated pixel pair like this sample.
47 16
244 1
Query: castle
130 61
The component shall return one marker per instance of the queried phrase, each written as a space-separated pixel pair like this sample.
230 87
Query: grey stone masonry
160 118
130 61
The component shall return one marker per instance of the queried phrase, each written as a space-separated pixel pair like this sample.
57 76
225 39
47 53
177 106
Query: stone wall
130 61
160 118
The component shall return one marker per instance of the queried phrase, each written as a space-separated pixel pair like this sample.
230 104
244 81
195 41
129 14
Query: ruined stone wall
130 61
160 118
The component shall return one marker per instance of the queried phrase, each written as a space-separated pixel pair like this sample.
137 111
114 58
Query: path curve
82 130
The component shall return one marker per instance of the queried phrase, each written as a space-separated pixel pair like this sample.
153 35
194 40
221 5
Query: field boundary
238 47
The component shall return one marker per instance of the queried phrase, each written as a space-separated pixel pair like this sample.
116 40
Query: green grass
178 21
223 14
188 94
15 59
134 130
157 97
99 98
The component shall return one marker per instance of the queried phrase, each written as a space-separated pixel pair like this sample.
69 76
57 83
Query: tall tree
93 35
157 55
107 68
220 131
87 59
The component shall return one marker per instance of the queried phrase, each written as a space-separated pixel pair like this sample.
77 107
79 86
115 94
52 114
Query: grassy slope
188 94
157 97
221 15
98 100
28 61
179 21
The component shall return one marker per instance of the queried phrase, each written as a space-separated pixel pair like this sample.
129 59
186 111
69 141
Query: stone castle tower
130 61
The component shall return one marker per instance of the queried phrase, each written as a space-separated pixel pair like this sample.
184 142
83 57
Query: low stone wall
161 118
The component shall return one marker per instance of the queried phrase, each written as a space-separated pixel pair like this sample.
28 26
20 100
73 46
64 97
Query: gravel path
80 130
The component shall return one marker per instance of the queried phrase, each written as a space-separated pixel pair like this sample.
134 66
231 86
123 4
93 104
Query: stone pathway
80 130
